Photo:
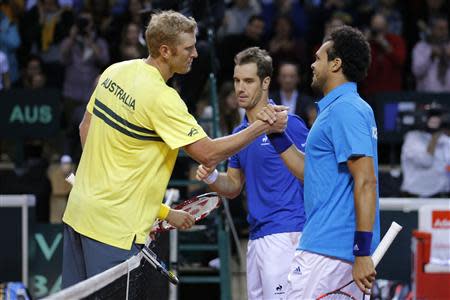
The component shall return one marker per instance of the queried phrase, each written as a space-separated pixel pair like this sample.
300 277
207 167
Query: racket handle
387 240
71 179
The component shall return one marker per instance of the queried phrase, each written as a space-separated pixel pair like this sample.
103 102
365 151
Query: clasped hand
274 115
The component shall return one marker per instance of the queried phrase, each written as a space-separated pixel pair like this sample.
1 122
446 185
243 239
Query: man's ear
336 64
266 83
165 51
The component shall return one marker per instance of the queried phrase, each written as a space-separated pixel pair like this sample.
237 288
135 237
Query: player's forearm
225 186
221 148
295 161
365 195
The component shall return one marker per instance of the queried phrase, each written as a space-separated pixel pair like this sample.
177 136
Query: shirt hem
283 230
327 254
110 242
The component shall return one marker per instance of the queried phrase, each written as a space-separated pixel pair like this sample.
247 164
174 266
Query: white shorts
312 275
268 263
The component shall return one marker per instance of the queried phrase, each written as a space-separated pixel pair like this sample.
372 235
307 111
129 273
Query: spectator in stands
320 12
283 45
236 17
9 42
421 12
101 15
33 76
389 8
42 29
130 46
271 9
388 58
118 22
425 158
84 54
431 58
230 45
5 82
290 95
337 19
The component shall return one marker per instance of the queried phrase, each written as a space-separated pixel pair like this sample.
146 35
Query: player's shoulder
351 105
295 121
121 65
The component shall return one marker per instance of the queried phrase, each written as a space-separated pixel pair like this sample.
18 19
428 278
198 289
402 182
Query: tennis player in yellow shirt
131 132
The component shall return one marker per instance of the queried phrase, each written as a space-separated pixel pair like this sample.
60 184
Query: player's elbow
369 182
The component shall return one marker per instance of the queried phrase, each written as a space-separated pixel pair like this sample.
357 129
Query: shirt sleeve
90 105
172 121
233 162
351 132
298 131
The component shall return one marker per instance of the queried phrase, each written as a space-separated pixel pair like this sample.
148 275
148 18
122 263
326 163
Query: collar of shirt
334 94
245 119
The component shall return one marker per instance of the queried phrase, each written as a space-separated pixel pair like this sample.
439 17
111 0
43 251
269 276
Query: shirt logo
265 141
193 131
279 290
374 133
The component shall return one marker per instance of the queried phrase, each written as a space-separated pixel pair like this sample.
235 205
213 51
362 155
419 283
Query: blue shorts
84 257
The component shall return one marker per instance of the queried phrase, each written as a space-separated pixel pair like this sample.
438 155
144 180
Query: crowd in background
66 44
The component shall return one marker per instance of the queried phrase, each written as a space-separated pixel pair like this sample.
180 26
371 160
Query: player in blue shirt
275 196
340 175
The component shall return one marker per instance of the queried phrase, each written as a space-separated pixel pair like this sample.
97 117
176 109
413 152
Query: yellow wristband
163 212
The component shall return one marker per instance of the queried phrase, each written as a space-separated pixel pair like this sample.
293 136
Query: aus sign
29 113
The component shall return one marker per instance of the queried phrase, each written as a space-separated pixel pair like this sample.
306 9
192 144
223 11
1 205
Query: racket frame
159 227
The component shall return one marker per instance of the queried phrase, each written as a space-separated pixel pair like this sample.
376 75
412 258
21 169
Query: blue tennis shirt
345 128
274 195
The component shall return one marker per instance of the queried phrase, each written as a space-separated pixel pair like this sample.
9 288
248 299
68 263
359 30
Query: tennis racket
159 265
199 207
384 245
148 254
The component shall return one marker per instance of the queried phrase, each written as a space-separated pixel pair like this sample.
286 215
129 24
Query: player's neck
333 83
252 112
162 67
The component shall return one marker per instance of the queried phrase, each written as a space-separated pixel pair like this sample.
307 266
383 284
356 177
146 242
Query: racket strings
199 208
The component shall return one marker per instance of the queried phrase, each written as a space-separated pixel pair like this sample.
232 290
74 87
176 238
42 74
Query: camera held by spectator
426 155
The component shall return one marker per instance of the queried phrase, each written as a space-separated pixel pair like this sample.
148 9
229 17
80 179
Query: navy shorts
84 257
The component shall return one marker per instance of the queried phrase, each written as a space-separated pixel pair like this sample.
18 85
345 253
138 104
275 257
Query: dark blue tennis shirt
274 195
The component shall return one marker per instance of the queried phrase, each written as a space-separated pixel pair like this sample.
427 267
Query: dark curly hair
350 45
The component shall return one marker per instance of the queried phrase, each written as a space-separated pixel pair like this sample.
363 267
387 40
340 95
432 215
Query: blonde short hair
164 28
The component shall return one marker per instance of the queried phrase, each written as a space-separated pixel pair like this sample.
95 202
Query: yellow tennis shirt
137 125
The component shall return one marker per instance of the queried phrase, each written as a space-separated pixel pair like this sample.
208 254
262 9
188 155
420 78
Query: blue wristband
362 243
280 141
